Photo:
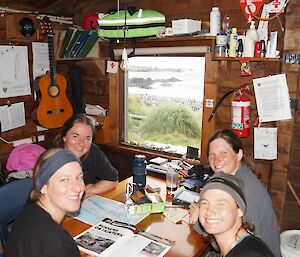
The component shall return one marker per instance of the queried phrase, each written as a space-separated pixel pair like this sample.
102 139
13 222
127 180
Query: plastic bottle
139 172
215 21
240 48
250 40
233 43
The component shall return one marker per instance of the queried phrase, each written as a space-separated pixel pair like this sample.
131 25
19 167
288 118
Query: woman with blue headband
57 189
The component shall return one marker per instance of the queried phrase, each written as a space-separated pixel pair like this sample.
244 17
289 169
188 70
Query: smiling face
78 139
218 213
222 157
63 191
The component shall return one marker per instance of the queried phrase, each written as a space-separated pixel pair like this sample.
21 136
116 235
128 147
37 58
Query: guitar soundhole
53 90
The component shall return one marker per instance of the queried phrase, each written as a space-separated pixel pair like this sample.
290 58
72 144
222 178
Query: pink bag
23 157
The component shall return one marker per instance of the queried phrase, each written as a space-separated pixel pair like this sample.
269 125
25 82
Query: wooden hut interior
222 74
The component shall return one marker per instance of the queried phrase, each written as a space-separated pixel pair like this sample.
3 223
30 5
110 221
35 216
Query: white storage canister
290 243
215 21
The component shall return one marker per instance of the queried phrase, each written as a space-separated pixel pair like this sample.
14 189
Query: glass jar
220 51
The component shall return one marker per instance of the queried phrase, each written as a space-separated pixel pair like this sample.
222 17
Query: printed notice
40 63
272 98
14 71
265 143
12 116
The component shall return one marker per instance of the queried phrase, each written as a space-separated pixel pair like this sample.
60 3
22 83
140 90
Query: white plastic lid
290 242
252 25
215 8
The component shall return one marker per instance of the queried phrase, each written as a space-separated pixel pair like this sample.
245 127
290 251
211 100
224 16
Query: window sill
130 150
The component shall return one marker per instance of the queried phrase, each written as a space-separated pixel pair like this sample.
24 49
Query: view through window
163 102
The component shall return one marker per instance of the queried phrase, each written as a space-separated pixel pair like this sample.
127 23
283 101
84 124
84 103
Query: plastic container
139 172
240 48
215 21
184 26
290 243
221 39
233 43
258 49
250 40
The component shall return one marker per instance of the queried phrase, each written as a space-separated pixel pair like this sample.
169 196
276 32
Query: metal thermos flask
139 171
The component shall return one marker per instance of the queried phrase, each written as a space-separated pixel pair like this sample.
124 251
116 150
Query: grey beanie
230 184
50 166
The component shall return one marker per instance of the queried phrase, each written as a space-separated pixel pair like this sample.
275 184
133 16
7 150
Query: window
163 102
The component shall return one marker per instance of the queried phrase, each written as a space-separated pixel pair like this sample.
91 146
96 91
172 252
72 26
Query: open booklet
114 238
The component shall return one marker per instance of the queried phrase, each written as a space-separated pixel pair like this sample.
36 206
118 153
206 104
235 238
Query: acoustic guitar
53 107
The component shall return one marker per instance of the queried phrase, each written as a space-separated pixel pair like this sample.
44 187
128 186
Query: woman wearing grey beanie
221 209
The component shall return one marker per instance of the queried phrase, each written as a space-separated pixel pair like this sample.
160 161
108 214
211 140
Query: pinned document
272 98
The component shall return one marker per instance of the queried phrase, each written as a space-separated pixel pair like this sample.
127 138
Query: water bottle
215 21
139 172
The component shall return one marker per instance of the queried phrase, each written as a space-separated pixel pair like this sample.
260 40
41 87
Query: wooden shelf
176 41
77 59
165 41
250 59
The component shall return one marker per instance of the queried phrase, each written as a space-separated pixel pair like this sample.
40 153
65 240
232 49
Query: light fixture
124 63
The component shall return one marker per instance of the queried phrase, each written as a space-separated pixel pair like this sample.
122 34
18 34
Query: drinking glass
171 181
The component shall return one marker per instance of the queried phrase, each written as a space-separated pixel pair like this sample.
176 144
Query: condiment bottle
233 43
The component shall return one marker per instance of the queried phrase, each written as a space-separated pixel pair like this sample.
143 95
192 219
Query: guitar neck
52 59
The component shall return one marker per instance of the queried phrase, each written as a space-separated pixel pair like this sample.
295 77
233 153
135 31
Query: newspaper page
98 239
109 239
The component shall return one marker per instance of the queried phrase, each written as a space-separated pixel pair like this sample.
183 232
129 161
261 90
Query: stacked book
76 42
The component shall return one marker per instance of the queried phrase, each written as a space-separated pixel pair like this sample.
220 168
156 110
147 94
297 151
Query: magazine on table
114 238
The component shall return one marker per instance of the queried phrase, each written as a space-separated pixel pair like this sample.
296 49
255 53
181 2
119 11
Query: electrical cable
219 102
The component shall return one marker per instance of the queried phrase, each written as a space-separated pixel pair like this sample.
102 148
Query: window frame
116 98
126 92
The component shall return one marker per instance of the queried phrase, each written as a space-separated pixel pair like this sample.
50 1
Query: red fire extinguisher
240 114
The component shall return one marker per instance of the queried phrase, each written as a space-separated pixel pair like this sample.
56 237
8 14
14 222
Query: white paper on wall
12 116
14 71
112 67
272 98
265 143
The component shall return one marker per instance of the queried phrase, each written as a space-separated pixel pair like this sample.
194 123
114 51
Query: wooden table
187 242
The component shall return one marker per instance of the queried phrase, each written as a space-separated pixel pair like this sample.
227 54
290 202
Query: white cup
171 181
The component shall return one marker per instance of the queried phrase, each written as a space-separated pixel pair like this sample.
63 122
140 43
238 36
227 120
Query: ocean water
190 86
189 73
